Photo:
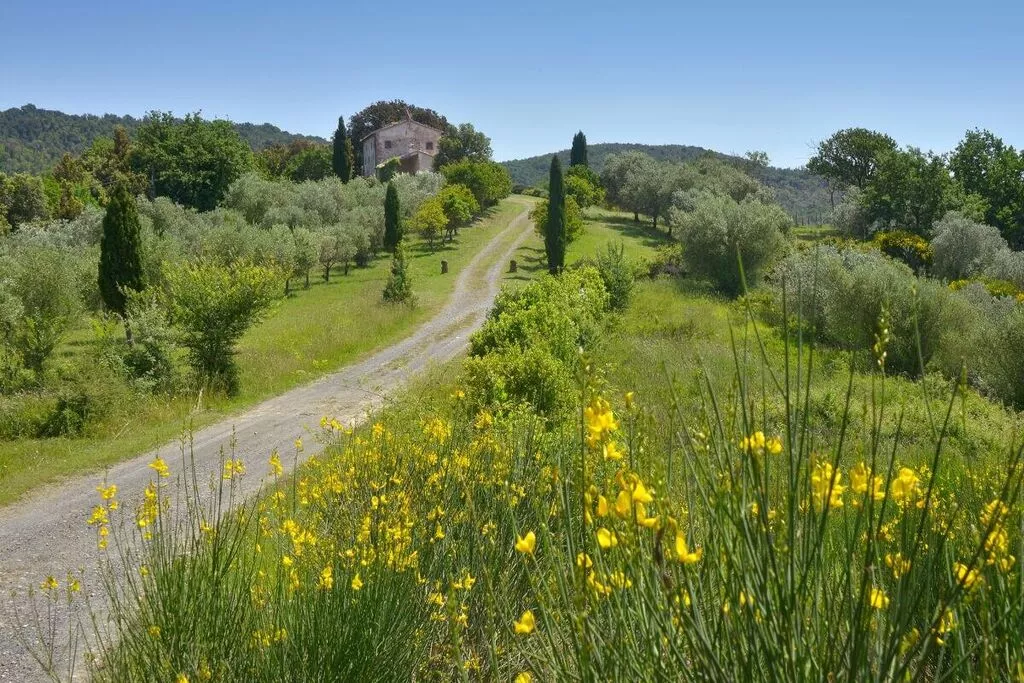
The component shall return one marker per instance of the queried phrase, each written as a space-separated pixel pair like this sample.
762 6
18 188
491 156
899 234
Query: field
309 334
710 489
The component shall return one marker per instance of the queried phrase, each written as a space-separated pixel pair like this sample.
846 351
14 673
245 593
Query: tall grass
443 542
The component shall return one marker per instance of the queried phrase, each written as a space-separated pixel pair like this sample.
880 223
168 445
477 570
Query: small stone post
513 266
444 267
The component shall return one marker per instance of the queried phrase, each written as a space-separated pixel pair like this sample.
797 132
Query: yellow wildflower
966 576
825 486
326 581
611 451
897 563
683 553
182 678
275 464
49 584
357 582
606 539
525 624
526 544
160 467
906 486
602 506
878 599
524 677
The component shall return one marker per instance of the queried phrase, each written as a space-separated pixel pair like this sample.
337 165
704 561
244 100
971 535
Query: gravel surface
46 533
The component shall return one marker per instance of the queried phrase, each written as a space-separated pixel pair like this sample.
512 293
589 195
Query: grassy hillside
802 194
33 139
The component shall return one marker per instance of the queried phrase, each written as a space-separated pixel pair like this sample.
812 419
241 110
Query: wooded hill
801 193
33 140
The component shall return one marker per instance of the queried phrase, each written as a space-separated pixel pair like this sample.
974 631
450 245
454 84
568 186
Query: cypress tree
398 289
578 155
120 250
392 219
342 157
554 229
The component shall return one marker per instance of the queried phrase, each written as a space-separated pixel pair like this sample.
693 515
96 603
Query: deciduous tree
849 158
464 142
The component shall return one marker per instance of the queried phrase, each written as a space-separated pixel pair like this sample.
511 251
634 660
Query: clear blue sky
731 76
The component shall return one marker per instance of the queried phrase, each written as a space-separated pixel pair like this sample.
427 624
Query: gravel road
46 533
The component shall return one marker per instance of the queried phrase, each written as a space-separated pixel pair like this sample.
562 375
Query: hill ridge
33 139
799 192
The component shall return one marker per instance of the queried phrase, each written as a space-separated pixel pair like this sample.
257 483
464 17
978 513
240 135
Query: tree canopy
578 154
192 161
464 142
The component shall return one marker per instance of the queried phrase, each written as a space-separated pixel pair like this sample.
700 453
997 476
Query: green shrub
25 415
720 232
616 274
398 289
573 218
907 247
964 248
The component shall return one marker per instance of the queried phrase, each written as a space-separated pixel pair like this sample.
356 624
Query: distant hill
801 193
33 139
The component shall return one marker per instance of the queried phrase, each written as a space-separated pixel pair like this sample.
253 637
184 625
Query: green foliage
908 190
192 161
148 361
964 248
41 288
489 182
120 269
459 206
22 200
213 305
398 289
392 219
429 221
342 154
578 154
528 349
574 222
616 274
462 143
994 172
555 228
313 163
584 186
721 230
387 170
905 246
850 158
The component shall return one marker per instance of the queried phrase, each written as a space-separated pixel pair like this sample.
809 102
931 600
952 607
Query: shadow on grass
642 231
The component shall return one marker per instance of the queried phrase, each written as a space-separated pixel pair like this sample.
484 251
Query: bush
213 306
963 248
907 247
720 230
488 181
616 274
398 289
528 349
574 223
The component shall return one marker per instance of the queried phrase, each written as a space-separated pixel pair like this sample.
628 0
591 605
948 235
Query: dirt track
47 534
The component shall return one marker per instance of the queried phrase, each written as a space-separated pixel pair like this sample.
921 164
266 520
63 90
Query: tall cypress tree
342 156
392 219
554 229
120 250
578 155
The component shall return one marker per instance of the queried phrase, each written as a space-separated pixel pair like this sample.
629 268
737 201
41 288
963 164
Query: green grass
814 233
311 333
640 241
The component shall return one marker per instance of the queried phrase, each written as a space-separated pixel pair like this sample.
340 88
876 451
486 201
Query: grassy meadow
711 499
312 332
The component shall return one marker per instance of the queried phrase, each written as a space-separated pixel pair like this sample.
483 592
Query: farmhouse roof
391 125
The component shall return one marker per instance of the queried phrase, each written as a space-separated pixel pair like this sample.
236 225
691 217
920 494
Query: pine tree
578 155
343 154
392 219
554 230
120 250
398 289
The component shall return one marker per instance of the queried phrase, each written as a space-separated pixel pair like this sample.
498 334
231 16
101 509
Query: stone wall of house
398 140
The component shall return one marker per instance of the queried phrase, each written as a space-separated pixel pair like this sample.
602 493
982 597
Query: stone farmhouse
414 143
